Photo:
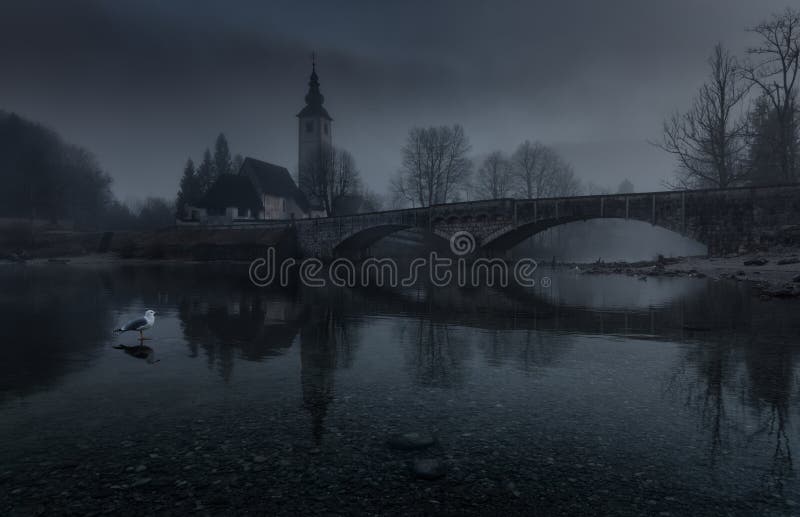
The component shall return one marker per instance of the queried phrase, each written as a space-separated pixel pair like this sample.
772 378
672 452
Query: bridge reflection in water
658 374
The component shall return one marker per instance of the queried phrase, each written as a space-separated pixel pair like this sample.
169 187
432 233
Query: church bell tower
314 130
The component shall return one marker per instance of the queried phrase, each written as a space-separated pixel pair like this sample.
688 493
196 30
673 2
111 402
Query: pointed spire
314 97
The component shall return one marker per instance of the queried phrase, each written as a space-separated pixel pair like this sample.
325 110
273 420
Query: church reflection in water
733 366
737 373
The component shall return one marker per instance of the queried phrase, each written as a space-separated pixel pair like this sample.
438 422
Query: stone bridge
722 219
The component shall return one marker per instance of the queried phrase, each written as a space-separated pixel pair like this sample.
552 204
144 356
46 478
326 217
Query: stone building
262 190
259 191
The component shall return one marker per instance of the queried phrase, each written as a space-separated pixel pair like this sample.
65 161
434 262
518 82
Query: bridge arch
363 239
506 238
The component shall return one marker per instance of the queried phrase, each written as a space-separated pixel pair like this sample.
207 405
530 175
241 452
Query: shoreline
773 273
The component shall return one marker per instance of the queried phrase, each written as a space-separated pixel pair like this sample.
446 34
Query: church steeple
315 133
314 97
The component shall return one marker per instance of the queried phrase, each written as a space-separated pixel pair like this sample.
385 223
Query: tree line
44 177
743 126
436 168
195 181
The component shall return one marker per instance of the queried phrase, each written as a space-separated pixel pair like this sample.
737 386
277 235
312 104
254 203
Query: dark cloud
146 84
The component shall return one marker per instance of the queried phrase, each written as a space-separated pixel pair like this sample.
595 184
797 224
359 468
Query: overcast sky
145 84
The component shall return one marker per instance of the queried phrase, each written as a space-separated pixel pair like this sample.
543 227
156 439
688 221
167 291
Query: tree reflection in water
737 377
771 375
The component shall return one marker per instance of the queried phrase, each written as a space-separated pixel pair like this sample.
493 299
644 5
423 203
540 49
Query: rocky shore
773 274
249 472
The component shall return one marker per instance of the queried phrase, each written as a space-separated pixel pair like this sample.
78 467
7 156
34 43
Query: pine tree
190 190
207 172
222 155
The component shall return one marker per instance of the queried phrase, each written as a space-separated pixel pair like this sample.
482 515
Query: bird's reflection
139 352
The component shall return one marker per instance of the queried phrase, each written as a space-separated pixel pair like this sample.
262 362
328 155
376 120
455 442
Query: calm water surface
673 396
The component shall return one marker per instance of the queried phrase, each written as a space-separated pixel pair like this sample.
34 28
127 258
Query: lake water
597 395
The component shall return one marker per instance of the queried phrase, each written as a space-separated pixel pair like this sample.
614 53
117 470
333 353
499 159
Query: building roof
231 190
273 180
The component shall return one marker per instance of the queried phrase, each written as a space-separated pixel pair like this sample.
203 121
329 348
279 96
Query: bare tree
528 162
563 182
435 166
330 176
371 201
540 171
494 177
709 141
775 71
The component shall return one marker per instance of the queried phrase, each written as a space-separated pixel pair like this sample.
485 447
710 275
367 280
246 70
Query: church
262 190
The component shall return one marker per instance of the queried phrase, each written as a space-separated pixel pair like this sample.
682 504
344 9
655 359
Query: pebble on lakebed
429 468
410 441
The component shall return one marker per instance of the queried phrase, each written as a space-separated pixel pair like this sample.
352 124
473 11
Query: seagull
139 324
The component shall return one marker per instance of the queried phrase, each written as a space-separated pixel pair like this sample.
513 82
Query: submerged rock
697 328
429 468
786 291
411 441
756 262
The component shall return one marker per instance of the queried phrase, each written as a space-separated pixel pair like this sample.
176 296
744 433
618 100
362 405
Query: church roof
231 190
314 98
273 180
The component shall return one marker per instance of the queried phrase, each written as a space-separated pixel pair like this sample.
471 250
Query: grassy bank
23 242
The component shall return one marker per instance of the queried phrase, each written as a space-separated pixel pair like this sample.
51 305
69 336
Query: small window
310 126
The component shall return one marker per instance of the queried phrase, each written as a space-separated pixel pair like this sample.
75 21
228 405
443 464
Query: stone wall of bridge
725 220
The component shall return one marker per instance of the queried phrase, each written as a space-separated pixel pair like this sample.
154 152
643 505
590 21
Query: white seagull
139 324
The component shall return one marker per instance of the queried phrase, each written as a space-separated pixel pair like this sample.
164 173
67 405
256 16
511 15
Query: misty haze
399 258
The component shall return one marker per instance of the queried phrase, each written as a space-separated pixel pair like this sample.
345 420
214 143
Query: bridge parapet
723 219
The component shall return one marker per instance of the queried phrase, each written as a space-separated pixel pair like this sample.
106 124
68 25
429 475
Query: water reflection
439 353
726 367
46 317
250 324
771 374
140 352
